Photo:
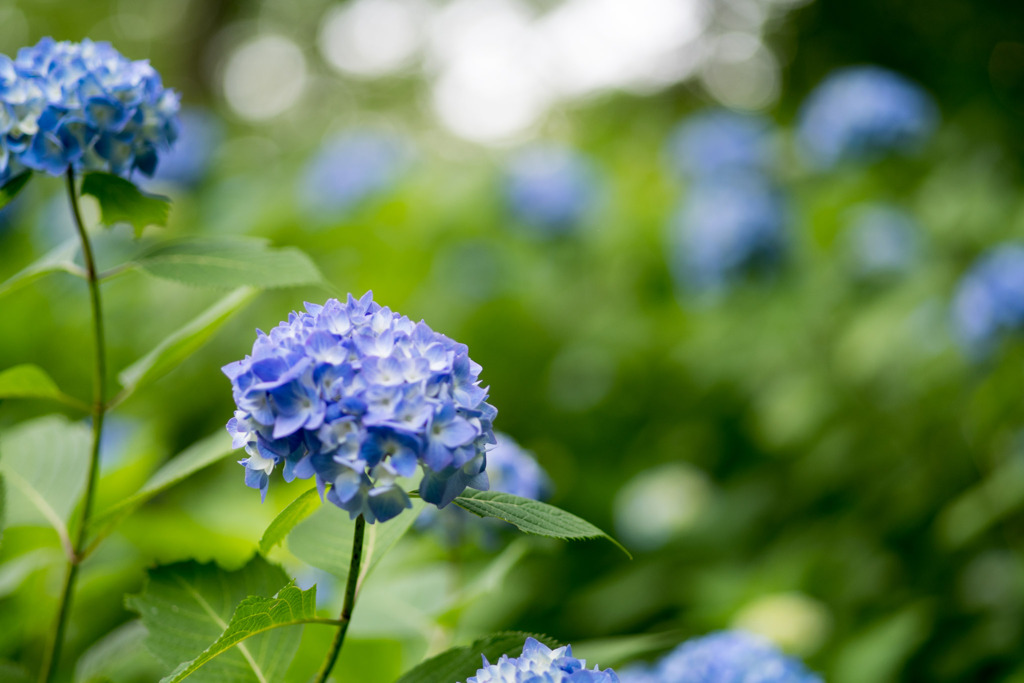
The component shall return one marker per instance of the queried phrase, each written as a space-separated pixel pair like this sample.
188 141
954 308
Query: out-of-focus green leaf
179 345
3 507
31 381
44 463
199 455
58 259
531 516
10 189
459 663
324 540
877 654
118 656
187 606
257 615
14 673
230 262
612 652
122 202
298 510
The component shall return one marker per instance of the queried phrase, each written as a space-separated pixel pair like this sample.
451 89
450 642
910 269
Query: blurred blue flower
881 240
82 105
717 141
989 301
724 657
550 188
540 664
349 168
201 133
358 396
863 113
727 228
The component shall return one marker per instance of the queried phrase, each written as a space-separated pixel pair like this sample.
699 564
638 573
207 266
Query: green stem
348 605
98 410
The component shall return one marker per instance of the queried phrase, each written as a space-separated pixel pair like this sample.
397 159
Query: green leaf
60 258
31 381
230 262
118 656
297 510
199 455
44 465
531 516
122 202
460 663
3 506
10 189
187 606
178 346
324 540
254 616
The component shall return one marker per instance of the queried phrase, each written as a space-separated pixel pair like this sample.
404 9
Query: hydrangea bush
724 657
864 113
989 300
540 664
550 187
356 396
725 229
85 106
719 141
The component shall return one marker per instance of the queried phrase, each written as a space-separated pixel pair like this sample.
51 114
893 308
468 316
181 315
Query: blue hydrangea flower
82 105
541 664
718 141
550 188
863 113
725 229
724 657
349 168
881 240
357 396
989 301
186 163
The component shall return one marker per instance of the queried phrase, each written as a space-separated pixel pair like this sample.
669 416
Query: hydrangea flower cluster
863 113
541 664
724 657
989 301
881 240
349 168
356 396
82 105
726 228
550 188
718 141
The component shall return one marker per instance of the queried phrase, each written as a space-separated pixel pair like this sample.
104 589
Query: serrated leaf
459 663
298 510
230 262
531 516
122 202
44 463
60 258
199 455
187 606
10 189
181 344
31 381
324 539
255 615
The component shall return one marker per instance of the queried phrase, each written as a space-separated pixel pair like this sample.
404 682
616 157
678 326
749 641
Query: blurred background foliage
812 453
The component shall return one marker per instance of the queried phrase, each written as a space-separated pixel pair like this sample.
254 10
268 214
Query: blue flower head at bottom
724 657
540 664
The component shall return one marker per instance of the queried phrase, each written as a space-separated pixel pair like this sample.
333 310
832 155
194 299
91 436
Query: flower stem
349 604
52 655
